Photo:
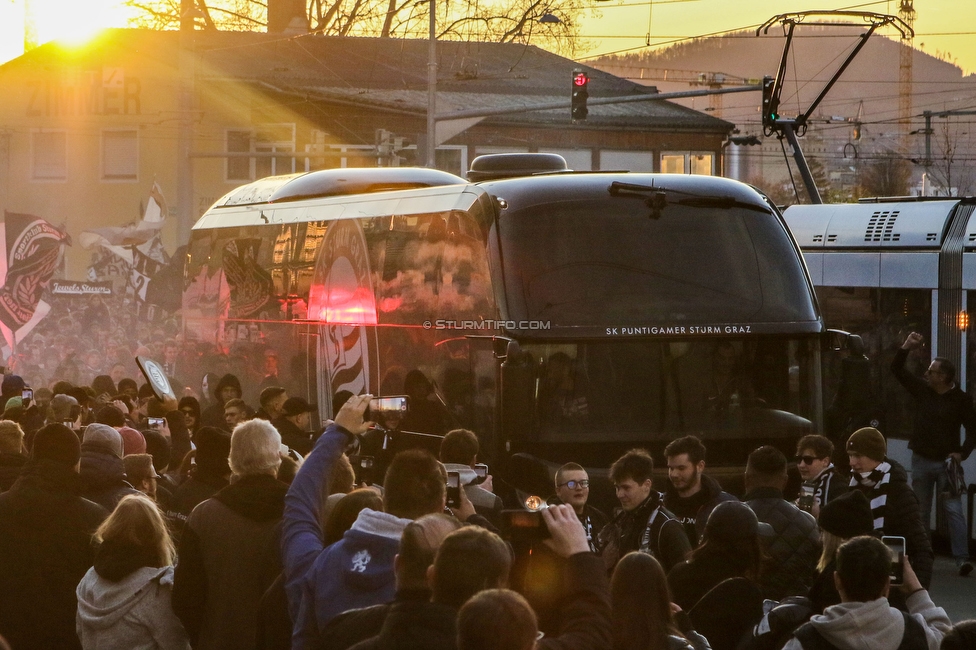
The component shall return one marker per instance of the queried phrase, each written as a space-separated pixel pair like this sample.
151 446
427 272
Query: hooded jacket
228 559
45 546
120 606
103 477
876 625
213 416
710 495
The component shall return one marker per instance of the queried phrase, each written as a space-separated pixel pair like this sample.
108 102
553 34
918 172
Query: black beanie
58 443
849 515
213 449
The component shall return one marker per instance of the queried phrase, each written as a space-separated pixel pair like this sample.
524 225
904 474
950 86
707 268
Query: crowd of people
130 521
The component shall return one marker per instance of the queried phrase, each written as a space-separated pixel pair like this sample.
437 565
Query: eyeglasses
806 460
572 485
187 412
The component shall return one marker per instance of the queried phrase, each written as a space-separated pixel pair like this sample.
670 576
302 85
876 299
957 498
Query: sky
941 26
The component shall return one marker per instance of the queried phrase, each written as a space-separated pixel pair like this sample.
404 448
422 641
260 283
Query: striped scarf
875 488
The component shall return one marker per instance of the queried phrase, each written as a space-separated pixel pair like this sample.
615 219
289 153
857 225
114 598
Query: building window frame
688 161
127 178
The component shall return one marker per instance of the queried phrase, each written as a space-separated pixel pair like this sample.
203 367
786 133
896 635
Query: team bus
566 316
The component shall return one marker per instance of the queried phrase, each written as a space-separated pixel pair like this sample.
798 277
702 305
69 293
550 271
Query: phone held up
156 423
453 490
26 396
896 549
383 407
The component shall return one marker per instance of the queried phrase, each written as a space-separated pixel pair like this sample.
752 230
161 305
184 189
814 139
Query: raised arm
912 384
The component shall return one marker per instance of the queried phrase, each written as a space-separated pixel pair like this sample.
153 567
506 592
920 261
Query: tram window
856 392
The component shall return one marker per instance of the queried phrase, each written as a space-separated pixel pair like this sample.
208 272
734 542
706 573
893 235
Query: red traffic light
580 79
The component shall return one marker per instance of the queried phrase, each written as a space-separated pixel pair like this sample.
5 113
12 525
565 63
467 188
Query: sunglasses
572 485
806 460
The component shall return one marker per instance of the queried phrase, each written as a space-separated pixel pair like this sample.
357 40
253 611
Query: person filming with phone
864 620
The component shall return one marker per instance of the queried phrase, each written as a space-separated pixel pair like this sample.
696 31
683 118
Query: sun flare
73 22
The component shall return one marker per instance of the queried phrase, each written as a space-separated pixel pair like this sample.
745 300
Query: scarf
875 487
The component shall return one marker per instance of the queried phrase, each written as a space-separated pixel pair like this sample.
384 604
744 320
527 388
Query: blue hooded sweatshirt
357 571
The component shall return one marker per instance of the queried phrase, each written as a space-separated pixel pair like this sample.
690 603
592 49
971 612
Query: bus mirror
837 340
500 347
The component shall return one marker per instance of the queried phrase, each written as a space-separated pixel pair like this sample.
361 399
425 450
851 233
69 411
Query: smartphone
524 526
365 472
380 406
156 423
896 549
481 471
26 396
453 490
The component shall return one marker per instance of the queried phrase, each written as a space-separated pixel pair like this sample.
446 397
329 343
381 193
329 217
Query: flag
34 249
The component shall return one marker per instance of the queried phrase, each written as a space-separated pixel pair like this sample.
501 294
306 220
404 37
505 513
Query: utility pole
184 142
432 87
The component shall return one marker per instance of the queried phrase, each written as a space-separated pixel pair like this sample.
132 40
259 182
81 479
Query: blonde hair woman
124 601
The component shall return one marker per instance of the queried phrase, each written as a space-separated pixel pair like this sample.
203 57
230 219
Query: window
691 162
120 156
632 161
580 160
49 156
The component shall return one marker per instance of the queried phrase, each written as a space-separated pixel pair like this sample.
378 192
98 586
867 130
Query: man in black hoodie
228 388
45 543
691 495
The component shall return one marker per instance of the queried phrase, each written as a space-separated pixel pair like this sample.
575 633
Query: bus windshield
731 392
613 261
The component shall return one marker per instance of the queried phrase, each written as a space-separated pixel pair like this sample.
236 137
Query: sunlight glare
72 22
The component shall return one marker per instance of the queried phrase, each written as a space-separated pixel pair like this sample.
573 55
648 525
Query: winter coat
291 435
45 550
823 591
903 519
626 531
692 579
710 495
103 478
127 608
794 549
349 628
10 467
228 558
415 625
199 487
876 625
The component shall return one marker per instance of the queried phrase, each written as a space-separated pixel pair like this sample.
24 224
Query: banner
74 288
33 250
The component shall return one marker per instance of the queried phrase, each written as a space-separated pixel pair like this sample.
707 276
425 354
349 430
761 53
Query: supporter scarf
875 487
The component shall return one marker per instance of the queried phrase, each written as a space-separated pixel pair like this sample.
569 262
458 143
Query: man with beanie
841 519
941 409
45 544
102 470
894 506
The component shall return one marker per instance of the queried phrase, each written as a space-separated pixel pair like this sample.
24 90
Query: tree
887 175
952 177
503 21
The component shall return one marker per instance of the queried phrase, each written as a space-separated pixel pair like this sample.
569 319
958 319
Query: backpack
913 638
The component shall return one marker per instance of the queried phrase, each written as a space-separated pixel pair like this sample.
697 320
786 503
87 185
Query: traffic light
581 82
769 107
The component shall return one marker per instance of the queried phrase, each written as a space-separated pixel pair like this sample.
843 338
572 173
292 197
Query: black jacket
349 628
291 435
45 546
937 417
415 625
693 511
902 518
692 579
10 467
229 556
103 478
626 532
794 549
196 489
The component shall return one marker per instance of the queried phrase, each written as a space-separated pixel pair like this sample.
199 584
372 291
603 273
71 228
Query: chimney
287 17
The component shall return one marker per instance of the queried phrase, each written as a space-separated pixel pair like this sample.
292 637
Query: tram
566 316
